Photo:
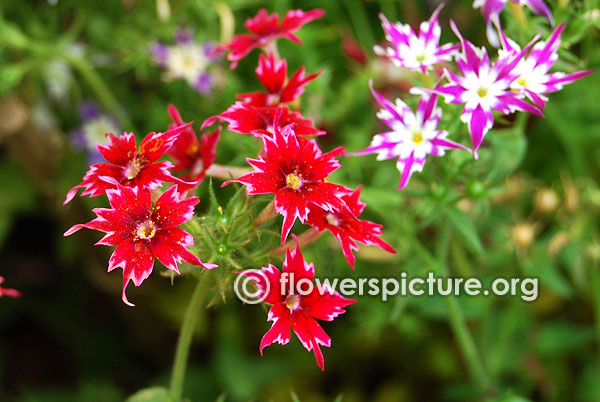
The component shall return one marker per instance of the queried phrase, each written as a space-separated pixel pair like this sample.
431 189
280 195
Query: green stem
456 317
104 94
360 22
185 339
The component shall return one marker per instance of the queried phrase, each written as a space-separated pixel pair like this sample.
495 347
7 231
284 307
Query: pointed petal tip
72 230
127 302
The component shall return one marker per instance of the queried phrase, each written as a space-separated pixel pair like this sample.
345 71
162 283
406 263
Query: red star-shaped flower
8 292
347 228
300 307
142 232
264 28
247 119
129 165
190 156
295 170
273 74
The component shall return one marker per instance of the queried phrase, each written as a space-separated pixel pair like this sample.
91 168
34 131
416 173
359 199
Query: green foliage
402 349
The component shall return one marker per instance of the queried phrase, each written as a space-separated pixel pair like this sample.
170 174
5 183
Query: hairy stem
304 239
185 339
266 214
226 172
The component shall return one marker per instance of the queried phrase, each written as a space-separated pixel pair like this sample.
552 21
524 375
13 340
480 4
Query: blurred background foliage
528 207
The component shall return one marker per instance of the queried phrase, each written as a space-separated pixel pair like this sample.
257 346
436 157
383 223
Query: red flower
258 121
8 292
295 171
347 228
273 74
190 156
298 309
130 166
264 28
142 232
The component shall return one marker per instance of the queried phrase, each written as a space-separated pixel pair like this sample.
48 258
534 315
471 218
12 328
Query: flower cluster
131 178
186 60
482 86
293 167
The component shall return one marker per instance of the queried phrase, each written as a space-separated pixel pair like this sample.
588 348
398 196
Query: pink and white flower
533 80
483 88
491 9
412 136
416 52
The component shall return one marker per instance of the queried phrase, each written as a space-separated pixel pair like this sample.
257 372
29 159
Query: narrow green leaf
465 228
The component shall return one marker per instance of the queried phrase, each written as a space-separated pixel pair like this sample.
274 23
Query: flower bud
522 235
546 201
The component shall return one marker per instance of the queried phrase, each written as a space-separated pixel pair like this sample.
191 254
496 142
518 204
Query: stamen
146 230
133 168
292 302
332 219
293 181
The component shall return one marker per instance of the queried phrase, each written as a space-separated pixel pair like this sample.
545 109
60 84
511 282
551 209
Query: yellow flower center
332 220
133 168
292 302
482 92
146 230
293 181
420 57
188 62
522 81
417 138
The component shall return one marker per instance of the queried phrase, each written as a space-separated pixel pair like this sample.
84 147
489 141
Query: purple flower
491 9
417 53
186 60
412 136
483 87
533 80
95 125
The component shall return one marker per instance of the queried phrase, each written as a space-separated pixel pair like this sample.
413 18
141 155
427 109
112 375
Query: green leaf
509 148
153 394
10 76
465 228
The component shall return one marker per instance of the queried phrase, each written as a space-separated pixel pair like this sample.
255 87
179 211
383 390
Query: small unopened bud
522 235
546 201
465 205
